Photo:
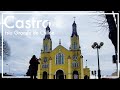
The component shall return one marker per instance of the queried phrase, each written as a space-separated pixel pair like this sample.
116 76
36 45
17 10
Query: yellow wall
87 71
67 67
75 39
64 66
47 42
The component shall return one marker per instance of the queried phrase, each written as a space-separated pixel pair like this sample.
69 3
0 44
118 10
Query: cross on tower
74 18
48 23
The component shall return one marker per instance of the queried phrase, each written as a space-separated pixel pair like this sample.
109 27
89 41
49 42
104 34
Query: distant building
86 73
61 63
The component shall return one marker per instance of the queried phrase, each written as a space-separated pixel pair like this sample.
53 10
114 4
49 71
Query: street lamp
96 46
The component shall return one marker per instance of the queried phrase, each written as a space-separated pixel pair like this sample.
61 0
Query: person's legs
35 74
35 77
31 76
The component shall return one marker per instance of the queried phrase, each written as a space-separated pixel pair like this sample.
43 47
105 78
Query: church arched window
74 45
75 64
59 58
45 66
45 48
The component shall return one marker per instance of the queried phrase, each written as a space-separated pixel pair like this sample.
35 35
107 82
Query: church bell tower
47 42
77 58
74 37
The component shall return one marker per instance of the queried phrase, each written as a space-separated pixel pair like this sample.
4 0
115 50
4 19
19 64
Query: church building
61 63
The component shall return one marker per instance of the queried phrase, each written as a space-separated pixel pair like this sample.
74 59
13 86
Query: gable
61 49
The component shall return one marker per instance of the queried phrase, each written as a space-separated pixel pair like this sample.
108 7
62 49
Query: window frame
59 58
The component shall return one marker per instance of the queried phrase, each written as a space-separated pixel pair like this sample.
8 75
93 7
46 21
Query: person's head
34 56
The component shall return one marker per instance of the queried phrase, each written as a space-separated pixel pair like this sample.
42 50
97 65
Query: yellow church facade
61 63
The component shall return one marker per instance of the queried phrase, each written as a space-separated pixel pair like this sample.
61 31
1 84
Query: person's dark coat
33 65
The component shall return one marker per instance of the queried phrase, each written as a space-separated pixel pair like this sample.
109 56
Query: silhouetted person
33 67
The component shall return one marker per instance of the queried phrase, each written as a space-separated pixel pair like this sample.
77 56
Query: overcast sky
89 31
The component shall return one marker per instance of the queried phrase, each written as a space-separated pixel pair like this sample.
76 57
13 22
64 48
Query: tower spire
74 27
48 23
47 31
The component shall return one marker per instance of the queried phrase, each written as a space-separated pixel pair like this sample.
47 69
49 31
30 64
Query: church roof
60 46
48 28
74 33
47 36
74 23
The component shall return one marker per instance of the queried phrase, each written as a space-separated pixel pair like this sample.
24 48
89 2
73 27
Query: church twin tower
61 63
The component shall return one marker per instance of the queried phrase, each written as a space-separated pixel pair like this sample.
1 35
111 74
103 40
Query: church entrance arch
75 75
44 75
59 74
86 77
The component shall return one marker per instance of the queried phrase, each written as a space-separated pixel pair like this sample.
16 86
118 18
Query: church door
44 75
86 77
59 74
75 75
